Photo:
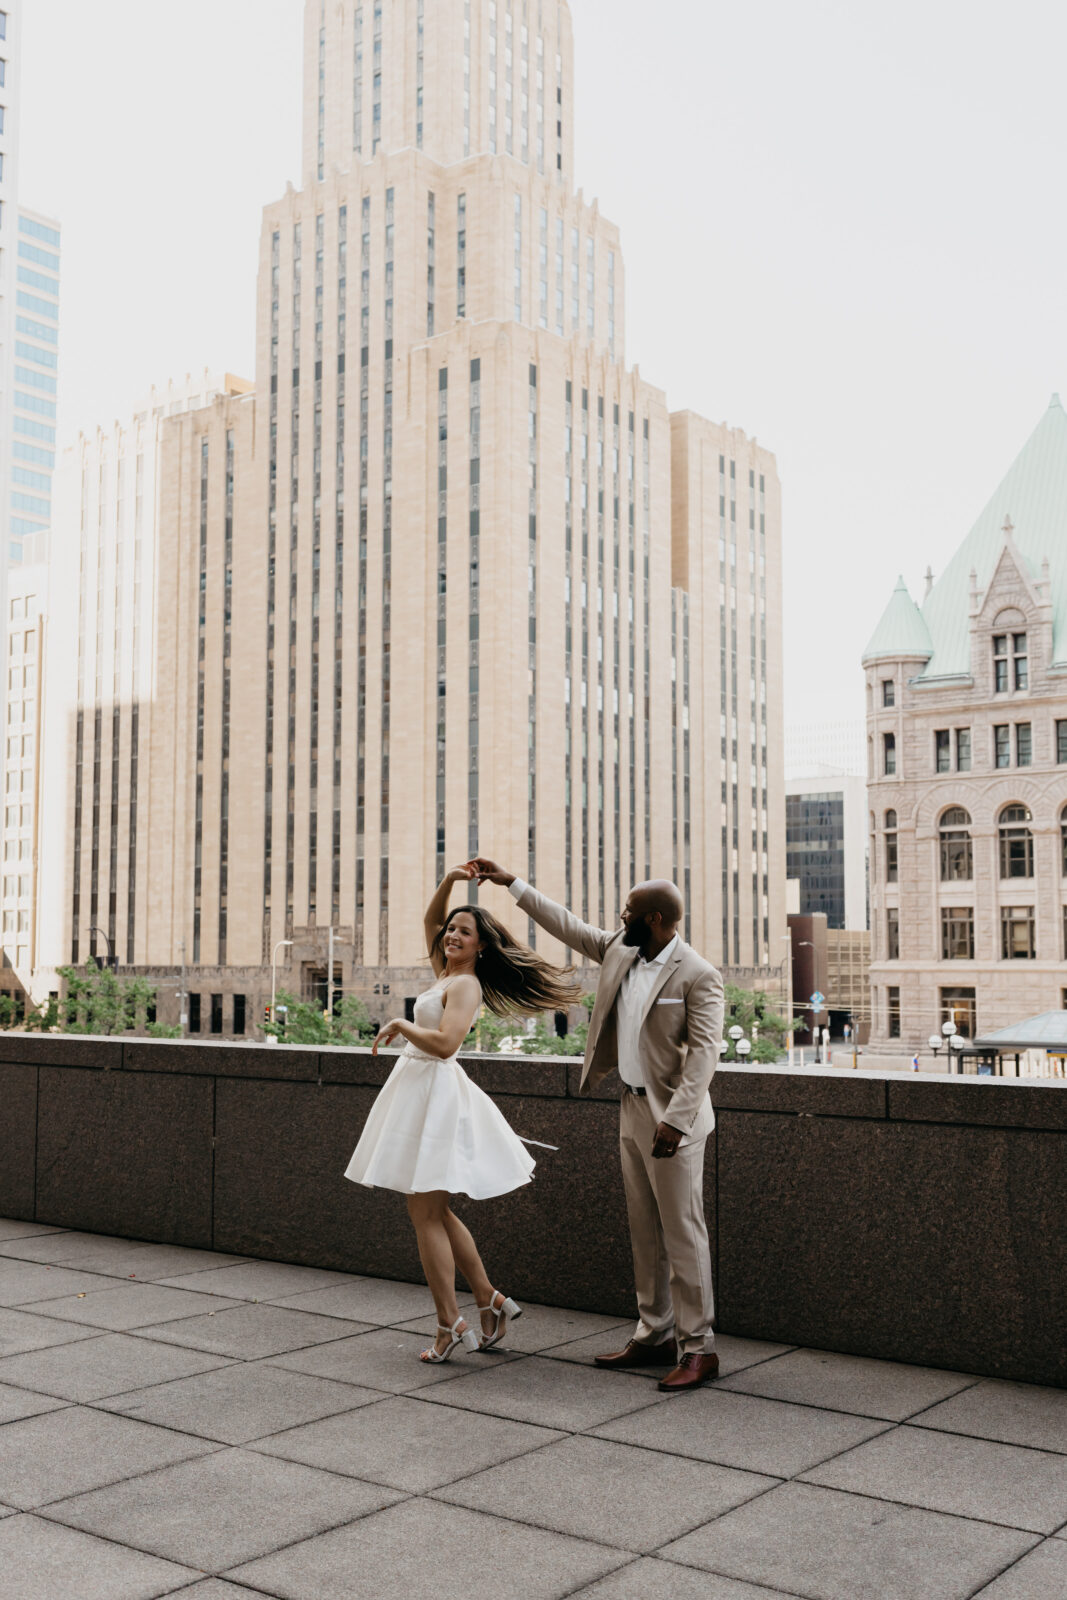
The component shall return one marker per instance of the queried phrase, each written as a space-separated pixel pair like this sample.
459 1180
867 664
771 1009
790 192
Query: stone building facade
967 745
452 578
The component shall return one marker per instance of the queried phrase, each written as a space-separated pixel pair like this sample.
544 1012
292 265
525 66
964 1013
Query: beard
638 934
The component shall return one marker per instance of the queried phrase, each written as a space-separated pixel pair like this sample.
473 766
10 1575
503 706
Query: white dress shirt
630 1002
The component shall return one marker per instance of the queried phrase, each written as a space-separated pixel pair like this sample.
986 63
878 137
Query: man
657 1020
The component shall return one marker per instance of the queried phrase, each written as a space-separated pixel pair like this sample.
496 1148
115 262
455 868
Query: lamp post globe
948 1029
934 1042
736 1032
743 1048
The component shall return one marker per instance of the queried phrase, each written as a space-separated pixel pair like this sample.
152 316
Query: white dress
432 1128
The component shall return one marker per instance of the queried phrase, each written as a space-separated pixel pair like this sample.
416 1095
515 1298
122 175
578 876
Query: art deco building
454 579
967 739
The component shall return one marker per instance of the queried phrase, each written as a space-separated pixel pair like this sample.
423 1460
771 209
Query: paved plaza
179 1422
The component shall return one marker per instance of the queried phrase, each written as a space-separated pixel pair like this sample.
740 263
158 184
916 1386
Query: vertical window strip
420 51
461 256
524 88
322 104
543 268
442 620
532 797
227 654
131 875
316 580
387 544
466 77
575 282
509 80
376 82
361 636
611 304
493 70
590 287
201 635
94 864
518 258
79 775
559 276
339 568
272 541
559 117
474 611
430 262
294 533
540 105
357 83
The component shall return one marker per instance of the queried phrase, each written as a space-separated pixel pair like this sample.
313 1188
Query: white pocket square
670 1002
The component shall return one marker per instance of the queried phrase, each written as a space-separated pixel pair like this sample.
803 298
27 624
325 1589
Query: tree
304 1023
751 1010
100 1002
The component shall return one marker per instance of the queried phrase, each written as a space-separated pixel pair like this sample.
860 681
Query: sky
843 226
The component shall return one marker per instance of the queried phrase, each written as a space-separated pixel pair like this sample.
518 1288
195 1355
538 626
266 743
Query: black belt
631 1090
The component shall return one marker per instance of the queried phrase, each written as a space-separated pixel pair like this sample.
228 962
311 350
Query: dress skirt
432 1128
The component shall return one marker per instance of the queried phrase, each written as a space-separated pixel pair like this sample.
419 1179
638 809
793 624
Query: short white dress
432 1128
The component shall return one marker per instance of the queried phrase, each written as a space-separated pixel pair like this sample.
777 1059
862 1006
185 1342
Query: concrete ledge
911 1217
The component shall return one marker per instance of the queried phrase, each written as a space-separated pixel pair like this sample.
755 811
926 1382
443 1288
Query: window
963 749
943 750
216 1013
1002 745
3 24
1016 843
1024 745
1063 842
889 692
892 934
3 72
1022 668
889 754
893 1012
957 933
959 1006
1000 663
1017 933
194 1013
1061 743
239 1013
890 847
957 858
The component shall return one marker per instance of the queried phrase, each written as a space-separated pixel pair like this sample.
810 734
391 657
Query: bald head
651 915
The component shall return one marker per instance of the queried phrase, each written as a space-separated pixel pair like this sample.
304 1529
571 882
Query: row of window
1014 838
214 1013
1018 940
952 747
1011 667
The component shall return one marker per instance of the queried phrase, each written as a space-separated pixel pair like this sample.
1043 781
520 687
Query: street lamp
274 975
935 1042
112 960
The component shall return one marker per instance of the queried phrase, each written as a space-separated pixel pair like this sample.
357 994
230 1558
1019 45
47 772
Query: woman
431 1132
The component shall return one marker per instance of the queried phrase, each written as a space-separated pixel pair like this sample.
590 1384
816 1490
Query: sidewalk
178 1422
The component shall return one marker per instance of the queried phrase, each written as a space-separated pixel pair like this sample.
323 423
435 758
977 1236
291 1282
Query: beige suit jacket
679 1043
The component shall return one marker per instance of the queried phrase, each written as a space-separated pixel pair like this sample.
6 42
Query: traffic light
266 1016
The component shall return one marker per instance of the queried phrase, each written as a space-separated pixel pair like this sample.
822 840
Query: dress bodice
430 1008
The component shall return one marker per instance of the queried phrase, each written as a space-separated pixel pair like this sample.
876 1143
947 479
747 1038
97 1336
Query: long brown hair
515 980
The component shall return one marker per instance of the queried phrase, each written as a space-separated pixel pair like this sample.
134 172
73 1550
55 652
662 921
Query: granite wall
912 1218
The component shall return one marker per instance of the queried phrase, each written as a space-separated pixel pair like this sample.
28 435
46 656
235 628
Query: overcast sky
843 224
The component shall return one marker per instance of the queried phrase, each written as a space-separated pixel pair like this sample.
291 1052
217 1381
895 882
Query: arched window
957 858
890 847
1016 843
1063 842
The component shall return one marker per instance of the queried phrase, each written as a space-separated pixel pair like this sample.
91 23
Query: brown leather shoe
691 1372
637 1354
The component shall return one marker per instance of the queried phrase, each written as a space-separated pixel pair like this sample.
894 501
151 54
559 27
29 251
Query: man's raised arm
555 919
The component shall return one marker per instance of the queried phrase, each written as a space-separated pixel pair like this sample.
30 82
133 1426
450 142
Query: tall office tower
967 782
19 827
457 580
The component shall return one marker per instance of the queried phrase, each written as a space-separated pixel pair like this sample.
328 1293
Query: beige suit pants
668 1233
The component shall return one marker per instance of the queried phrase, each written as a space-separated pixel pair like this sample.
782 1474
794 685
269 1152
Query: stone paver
967 1477
67 1452
532 1389
830 1546
424 1548
664 1580
849 1383
173 1421
105 1364
613 1493
387 1358
742 1430
1041 1575
227 1508
409 1445
376 1300
258 1280
250 1331
42 1561
23 1330
1013 1413
123 1307
240 1402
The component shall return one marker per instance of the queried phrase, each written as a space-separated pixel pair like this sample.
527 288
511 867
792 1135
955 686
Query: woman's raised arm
437 911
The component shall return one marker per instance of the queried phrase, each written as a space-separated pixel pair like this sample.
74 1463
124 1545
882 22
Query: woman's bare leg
469 1262
427 1212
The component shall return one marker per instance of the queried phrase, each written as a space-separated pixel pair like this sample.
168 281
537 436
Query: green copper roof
902 631
1034 495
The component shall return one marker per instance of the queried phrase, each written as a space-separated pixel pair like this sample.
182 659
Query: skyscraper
455 579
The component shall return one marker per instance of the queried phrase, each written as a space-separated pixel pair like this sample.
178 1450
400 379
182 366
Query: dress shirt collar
664 955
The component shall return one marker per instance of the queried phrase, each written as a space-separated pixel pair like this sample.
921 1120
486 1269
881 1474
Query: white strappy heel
467 1338
506 1308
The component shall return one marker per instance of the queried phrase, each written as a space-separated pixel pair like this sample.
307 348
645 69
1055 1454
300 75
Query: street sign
818 1000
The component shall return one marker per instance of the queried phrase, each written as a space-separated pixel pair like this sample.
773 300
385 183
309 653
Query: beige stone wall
1006 990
